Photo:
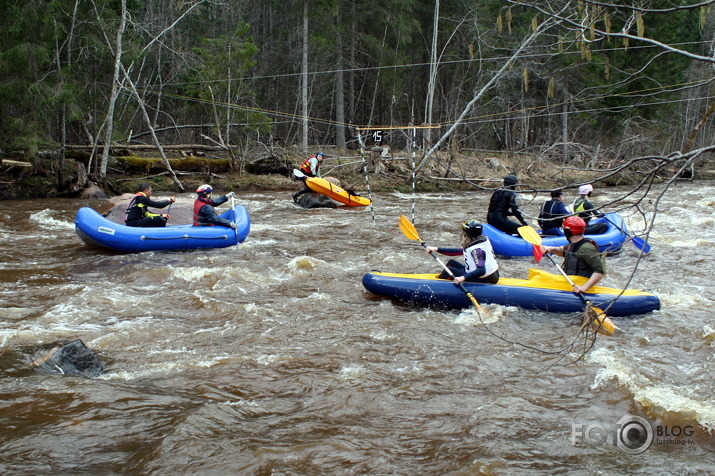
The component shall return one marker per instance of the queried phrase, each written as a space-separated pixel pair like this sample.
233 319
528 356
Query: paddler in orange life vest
204 213
310 168
480 264
582 257
138 213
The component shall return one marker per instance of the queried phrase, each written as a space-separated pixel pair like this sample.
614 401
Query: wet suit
501 206
138 213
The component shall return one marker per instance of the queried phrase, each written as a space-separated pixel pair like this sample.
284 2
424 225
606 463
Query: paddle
637 241
298 173
235 219
592 314
168 212
105 209
409 230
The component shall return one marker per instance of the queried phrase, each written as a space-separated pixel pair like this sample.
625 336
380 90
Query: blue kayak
542 291
611 241
96 230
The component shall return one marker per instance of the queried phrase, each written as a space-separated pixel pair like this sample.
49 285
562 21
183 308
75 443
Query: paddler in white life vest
582 257
138 213
204 213
310 168
480 264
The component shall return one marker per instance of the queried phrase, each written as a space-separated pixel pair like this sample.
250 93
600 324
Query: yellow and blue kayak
339 194
542 291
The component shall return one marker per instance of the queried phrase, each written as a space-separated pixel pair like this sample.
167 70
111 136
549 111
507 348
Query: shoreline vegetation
387 171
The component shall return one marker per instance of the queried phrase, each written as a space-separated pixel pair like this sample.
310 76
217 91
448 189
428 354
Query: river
270 357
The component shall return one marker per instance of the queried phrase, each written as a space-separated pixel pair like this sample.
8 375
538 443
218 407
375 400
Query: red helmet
575 224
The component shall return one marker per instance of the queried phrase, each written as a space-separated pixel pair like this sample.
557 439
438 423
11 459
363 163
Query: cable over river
270 357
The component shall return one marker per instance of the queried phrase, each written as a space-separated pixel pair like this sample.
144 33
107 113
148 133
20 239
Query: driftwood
148 147
17 163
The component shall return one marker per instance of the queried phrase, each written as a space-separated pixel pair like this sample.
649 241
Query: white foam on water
351 372
684 298
193 274
44 217
469 316
688 402
382 336
165 367
305 263
267 359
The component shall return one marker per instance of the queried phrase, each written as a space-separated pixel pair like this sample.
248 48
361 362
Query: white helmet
205 189
585 189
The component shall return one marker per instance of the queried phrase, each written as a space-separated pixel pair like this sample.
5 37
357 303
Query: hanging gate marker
377 136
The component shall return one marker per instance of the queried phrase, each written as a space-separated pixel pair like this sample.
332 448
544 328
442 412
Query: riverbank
390 173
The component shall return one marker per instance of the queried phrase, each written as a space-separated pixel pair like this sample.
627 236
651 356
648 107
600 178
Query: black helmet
472 228
511 179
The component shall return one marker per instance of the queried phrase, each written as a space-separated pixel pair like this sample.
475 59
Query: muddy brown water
271 358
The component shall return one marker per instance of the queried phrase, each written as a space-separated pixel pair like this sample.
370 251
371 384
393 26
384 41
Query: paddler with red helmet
581 255
204 213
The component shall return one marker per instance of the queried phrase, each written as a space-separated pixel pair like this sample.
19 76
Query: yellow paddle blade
530 235
599 321
476 304
408 229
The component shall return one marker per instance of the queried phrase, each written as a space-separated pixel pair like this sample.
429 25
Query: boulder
315 200
70 358
318 200
93 191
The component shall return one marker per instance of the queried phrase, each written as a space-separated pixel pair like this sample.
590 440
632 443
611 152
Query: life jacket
548 219
198 204
584 208
480 254
305 167
574 266
142 209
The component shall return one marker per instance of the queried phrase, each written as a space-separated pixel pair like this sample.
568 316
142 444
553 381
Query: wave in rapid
657 397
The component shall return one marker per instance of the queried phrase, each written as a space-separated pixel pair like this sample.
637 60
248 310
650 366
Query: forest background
458 93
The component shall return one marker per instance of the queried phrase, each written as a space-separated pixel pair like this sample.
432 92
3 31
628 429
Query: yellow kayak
338 194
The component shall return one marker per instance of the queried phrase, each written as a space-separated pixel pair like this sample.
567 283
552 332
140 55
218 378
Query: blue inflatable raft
542 291
611 241
96 230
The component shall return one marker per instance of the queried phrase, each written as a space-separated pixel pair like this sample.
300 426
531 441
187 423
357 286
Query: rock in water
315 200
70 358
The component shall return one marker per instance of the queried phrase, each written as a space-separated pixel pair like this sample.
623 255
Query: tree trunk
114 93
339 86
429 103
565 126
304 76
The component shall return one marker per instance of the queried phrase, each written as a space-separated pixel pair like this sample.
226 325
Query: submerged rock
315 200
70 358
